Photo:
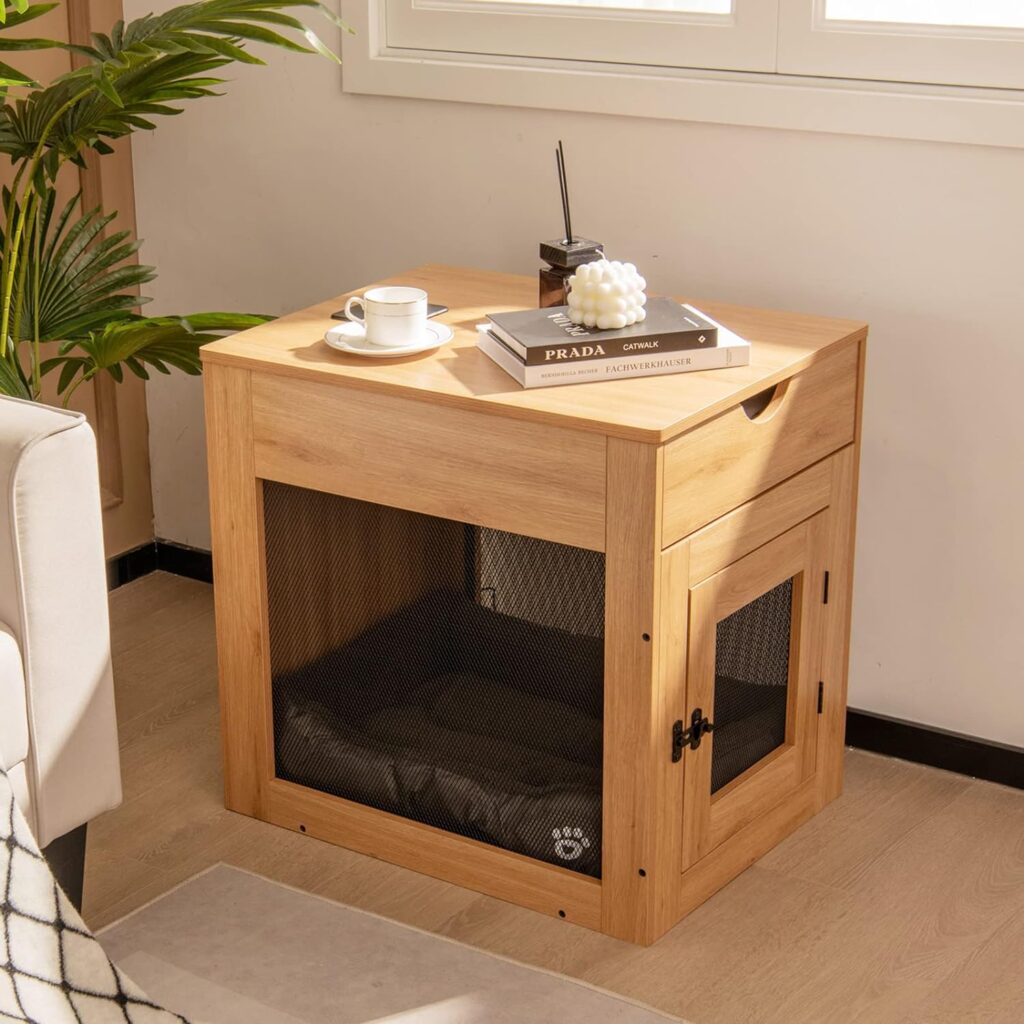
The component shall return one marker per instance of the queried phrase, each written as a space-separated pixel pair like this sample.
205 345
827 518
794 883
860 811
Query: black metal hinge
824 596
699 727
821 696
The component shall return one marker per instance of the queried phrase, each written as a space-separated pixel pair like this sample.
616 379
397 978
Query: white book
731 350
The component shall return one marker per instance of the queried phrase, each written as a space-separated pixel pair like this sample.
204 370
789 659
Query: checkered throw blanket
52 970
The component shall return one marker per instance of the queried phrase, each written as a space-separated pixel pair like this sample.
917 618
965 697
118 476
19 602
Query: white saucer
351 337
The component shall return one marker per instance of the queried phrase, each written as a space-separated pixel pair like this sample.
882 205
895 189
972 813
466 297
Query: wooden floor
903 902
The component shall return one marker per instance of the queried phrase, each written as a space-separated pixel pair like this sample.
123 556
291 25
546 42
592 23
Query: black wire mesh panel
751 683
448 673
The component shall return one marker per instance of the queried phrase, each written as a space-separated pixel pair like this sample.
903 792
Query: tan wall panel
117 412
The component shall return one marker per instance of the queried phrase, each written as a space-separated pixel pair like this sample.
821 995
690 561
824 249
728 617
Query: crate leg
236 513
642 787
836 639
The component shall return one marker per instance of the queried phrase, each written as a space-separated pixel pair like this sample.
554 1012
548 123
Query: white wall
288 191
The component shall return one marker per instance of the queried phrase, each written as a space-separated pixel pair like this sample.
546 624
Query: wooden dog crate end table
633 595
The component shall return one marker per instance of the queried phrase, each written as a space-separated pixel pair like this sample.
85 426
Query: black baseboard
184 561
164 555
965 755
131 565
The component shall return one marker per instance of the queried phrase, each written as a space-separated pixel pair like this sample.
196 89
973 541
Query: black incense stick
561 193
563 184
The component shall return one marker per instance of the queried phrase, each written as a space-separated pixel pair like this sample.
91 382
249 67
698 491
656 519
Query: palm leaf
12 381
25 12
149 66
160 342
85 278
76 284
15 15
29 44
18 7
12 76
21 12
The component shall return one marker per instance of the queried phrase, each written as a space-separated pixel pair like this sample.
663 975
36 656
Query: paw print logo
569 843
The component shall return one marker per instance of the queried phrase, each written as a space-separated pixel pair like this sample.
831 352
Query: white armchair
58 733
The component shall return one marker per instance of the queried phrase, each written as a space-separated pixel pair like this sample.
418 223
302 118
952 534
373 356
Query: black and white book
731 350
545 336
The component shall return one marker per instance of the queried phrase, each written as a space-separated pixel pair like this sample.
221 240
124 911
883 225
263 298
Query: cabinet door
753 668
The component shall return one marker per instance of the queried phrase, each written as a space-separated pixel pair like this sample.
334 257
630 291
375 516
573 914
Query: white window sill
987 117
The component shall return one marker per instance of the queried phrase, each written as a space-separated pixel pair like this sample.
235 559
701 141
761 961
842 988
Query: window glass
969 13
679 6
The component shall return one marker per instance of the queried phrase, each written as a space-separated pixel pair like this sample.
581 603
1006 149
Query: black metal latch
699 727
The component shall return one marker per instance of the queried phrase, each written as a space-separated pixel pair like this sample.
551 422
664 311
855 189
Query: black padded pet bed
454 715
478 723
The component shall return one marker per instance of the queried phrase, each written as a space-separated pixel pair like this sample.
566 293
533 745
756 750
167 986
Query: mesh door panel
445 672
751 683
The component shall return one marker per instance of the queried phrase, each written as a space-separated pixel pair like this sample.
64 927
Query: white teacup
392 316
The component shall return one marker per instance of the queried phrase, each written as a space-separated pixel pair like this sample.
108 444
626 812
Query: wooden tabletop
652 409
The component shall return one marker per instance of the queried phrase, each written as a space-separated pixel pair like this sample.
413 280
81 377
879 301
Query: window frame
954 56
741 41
973 116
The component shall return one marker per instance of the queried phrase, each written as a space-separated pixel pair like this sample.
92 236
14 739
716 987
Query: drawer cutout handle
765 404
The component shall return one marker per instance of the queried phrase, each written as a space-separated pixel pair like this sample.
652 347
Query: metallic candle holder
562 258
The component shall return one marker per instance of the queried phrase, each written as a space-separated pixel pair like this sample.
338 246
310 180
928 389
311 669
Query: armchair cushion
53 601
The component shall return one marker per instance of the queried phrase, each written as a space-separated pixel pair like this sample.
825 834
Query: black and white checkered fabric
52 970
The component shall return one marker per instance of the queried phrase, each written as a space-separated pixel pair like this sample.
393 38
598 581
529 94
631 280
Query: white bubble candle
607 294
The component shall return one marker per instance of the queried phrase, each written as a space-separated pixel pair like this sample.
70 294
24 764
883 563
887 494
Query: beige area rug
229 947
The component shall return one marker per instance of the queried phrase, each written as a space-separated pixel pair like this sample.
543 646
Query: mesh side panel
751 683
448 673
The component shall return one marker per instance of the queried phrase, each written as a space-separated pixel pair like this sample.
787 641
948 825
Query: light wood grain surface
512 876
454 463
651 409
709 819
901 903
715 467
640 849
758 521
236 521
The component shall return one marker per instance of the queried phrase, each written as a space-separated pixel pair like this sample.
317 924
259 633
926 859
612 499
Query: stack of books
542 347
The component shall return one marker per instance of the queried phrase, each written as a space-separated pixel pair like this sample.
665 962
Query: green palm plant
68 288
12 15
